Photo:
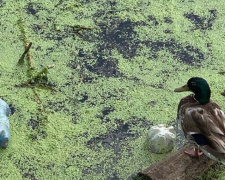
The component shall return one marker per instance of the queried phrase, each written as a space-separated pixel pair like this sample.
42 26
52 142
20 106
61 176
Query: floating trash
4 124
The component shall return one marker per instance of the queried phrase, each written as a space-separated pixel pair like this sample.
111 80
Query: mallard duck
202 120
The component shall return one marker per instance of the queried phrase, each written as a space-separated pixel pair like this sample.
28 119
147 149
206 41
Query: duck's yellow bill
182 88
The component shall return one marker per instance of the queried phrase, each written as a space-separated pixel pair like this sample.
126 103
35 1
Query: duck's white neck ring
193 95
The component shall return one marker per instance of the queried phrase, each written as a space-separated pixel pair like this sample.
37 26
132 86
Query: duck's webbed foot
193 152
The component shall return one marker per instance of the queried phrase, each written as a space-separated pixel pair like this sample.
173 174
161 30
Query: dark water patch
60 2
157 86
107 110
75 117
33 8
166 74
12 109
37 120
116 140
30 9
168 20
114 176
168 31
39 134
33 123
58 35
152 103
58 106
114 137
204 23
87 79
119 35
50 166
187 54
26 167
112 4
105 67
81 53
115 34
99 168
37 123
153 20
29 175
83 98
38 28
61 33
2 3
104 64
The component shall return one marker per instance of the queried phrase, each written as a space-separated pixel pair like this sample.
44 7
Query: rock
161 139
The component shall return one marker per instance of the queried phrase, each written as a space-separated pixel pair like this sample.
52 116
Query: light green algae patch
116 66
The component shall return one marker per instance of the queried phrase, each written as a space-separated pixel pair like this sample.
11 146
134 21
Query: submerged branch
27 48
41 74
35 78
27 45
38 78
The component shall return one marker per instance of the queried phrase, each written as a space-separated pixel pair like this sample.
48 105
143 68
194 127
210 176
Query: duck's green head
199 87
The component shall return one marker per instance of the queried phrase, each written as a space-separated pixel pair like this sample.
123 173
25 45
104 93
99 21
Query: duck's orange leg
193 152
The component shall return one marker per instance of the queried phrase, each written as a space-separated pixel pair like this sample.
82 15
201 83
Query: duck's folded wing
211 128
194 122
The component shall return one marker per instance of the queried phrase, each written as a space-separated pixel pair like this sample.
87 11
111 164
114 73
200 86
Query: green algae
129 62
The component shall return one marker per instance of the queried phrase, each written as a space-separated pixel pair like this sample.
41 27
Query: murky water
116 66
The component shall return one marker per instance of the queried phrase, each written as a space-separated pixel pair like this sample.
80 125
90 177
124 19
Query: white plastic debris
4 124
161 139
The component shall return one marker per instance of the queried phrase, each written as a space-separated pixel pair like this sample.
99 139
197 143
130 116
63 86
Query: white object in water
161 139
4 124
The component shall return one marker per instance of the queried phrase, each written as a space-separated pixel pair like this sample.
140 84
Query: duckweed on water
116 65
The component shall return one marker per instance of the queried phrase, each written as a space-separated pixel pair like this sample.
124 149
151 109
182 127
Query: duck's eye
193 83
